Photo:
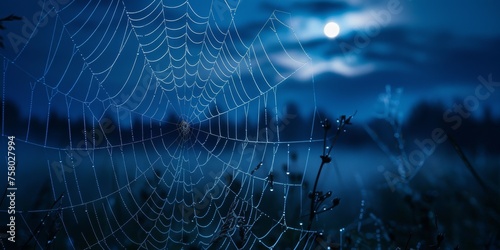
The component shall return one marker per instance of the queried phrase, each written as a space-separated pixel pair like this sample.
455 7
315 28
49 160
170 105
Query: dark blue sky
433 50
96 55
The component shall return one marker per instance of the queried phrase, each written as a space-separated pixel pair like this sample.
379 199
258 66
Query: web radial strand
160 125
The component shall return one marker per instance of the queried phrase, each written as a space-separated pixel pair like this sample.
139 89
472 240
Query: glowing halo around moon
331 30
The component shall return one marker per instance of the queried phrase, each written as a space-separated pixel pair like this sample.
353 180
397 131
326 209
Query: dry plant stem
407 246
42 222
313 199
489 188
325 158
471 168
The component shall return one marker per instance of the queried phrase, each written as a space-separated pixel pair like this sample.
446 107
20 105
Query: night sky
433 51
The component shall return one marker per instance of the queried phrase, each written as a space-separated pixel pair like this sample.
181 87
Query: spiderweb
150 124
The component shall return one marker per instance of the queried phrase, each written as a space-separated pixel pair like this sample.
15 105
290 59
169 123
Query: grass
419 214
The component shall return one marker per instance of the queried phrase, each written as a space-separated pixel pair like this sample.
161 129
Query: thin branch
316 200
10 17
470 167
42 222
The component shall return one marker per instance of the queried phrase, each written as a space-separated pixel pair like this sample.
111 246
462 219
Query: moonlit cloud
337 66
308 28
318 66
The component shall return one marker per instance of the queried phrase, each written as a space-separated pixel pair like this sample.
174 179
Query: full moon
331 30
